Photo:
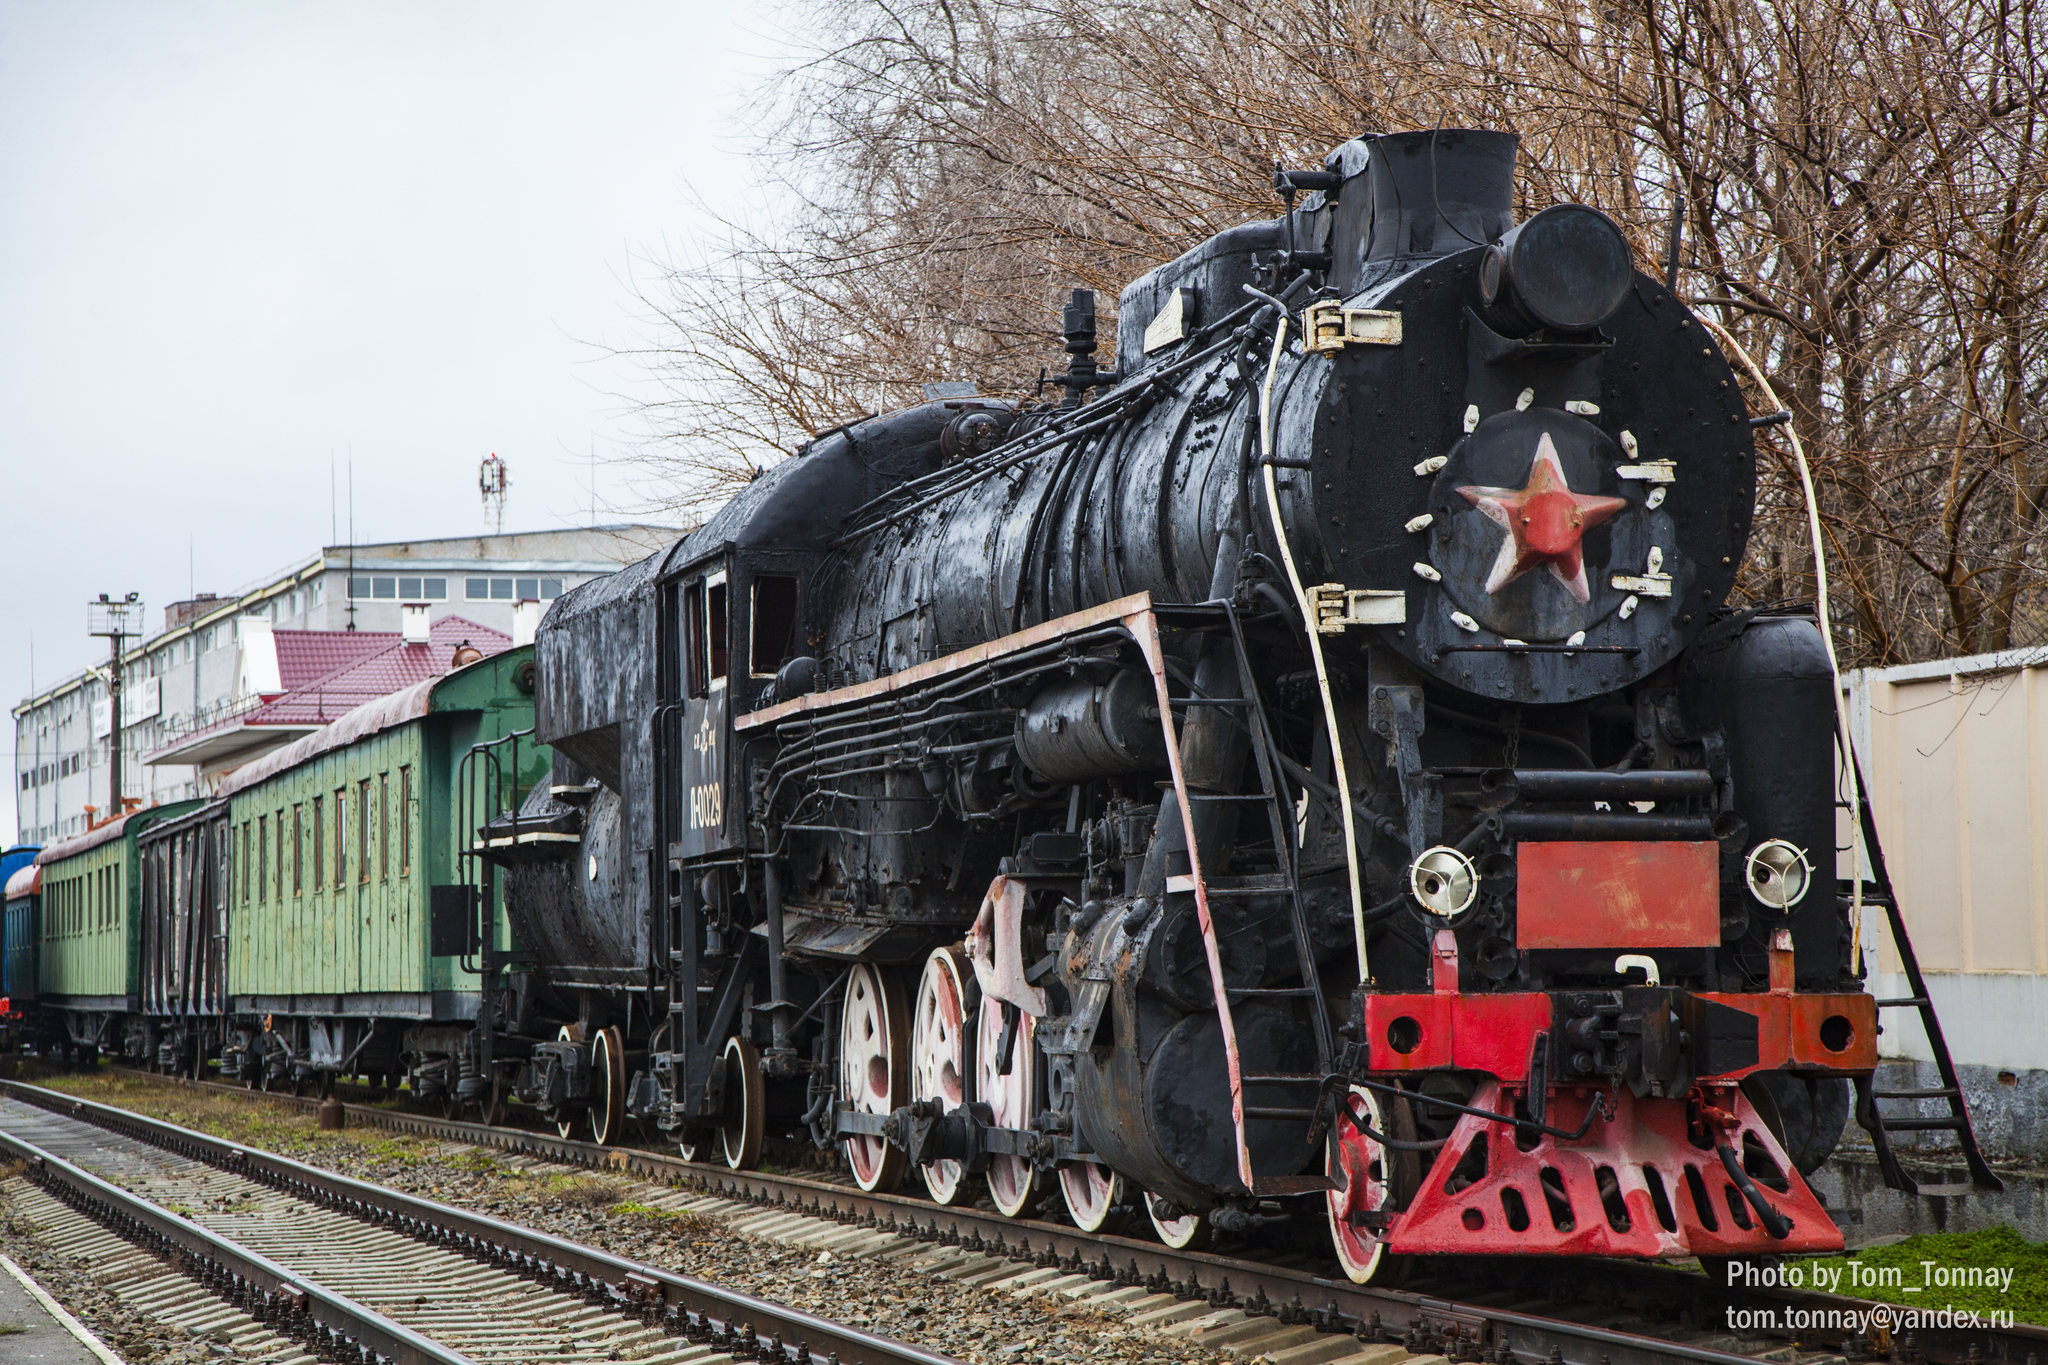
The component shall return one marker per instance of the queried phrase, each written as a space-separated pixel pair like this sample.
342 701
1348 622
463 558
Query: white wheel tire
746 1105
1189 1232
566 1125
874 1071
1013 1099
1091 1191
941 1041
608 1071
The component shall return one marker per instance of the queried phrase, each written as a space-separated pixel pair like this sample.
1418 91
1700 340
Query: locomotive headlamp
1565 270
1778 874
1443 881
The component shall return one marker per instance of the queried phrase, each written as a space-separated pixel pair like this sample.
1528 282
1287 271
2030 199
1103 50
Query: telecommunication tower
492 481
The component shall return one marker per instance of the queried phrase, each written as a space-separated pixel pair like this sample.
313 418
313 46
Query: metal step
1868 1114
1940 1094
1951 1124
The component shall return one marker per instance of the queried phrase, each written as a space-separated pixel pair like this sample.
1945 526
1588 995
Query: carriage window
319 844
363 830
774 631
299 848
341 837
715 626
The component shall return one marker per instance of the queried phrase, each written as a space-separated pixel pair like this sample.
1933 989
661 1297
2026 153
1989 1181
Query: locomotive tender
1312 761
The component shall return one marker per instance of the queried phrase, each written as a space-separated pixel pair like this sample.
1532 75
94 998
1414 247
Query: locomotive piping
1315 646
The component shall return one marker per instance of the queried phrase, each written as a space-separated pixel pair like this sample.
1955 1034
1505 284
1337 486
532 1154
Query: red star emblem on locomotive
1545 521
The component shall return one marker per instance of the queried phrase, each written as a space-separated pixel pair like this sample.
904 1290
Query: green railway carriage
89 958
347 848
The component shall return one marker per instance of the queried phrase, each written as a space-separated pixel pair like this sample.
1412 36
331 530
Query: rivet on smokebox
332 1115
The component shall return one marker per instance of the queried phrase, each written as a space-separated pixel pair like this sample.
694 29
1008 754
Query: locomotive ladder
1874 1120
1248 710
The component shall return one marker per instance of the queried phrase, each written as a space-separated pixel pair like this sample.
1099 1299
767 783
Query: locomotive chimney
1425 194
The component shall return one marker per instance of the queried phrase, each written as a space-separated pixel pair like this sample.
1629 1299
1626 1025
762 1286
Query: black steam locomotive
1312 760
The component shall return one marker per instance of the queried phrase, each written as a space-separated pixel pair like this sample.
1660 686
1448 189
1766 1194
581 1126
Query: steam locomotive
1310 765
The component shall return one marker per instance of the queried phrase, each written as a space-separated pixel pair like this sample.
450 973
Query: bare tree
1863 188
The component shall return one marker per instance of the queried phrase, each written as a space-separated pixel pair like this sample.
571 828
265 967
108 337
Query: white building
195 675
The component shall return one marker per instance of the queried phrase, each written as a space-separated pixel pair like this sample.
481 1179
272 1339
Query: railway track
1499 1310
353 1271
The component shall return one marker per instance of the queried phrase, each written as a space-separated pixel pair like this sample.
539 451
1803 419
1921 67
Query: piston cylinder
1075 730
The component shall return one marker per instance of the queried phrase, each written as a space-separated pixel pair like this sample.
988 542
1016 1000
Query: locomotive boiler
1311 764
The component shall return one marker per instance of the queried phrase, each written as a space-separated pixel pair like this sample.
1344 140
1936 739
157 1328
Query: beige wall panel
1921 815
1999 852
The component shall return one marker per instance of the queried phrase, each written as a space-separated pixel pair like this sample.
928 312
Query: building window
512 589
400 589
404 820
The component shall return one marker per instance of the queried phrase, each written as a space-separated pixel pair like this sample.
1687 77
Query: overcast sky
240 241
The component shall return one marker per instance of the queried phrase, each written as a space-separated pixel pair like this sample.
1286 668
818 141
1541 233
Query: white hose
1315 645
1827 632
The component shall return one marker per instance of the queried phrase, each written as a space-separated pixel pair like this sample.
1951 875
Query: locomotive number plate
1617 894
702 760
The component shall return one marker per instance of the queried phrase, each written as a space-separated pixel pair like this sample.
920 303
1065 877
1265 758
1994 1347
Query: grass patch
235 1118
1888 1273
578 1190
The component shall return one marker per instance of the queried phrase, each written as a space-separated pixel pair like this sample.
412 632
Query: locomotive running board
1136 615
1124 610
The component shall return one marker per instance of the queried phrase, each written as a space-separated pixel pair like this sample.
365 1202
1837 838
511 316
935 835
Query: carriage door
707 805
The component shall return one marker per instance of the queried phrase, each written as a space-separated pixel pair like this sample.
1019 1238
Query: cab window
774 629
704 633
715 626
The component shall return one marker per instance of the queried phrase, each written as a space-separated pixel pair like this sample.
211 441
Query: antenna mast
492 481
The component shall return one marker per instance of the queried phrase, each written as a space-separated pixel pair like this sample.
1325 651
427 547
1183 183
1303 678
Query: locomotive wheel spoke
608 1078
1013 1183
1098 1199
1189 1232
874 1069
1369 1178
746 1099
941 1046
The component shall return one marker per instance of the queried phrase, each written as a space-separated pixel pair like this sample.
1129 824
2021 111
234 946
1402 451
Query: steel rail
694 1307
1258 1288
1290 1293
295 1304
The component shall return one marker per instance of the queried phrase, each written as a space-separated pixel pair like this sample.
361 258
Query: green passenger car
89 960
342 844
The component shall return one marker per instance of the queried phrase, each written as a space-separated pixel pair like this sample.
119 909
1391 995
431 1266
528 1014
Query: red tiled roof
306 656
361 674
